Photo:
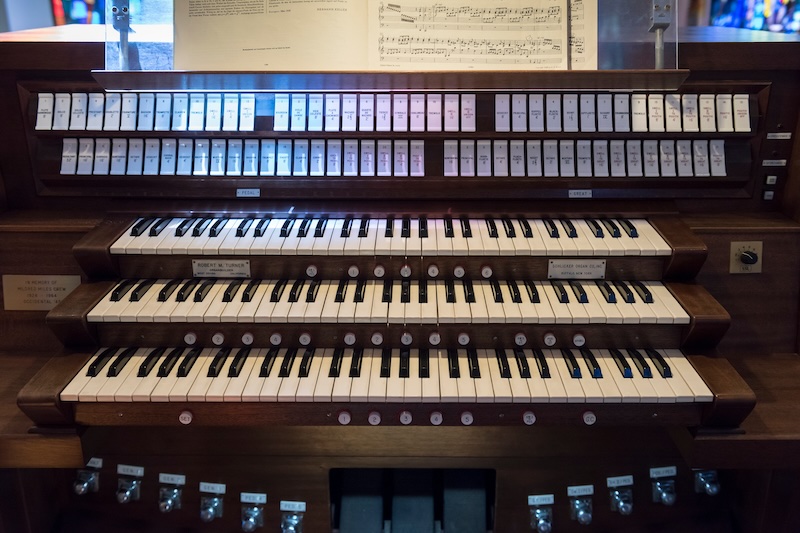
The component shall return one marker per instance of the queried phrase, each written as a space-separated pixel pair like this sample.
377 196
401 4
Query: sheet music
582 35
477 34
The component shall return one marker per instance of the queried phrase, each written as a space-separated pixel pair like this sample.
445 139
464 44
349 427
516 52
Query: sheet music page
270 34
583 35
469 34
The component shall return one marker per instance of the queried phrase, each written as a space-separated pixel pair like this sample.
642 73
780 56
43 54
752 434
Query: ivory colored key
615 386
341 369
219 372
265 368
360 384
294 371
395 384
255 293
556 391
500 374
93 367
483 382
141 365
572 381
236 384
335 296
364 294
323 386
207 292
604 299
155 386
589 381
111 300
538 372
443 242
697 391
462 372
214 364
189 368
517 382
309 374
280 364
644 385
492 296
410 375
102 387
429 372
662 294
313 309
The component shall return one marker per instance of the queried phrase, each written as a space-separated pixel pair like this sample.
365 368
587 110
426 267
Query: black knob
749 257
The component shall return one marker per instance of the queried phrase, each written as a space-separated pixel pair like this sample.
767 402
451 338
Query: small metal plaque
254 498
172 479
664 471
130 470
220 268
580 193
576 269
212 488
541 499
293 507
580 490
775 162
780 136
619 481
248 193
36 293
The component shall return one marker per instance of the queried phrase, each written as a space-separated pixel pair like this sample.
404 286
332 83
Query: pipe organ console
363 302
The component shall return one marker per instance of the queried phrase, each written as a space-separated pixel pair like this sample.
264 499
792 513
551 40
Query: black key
423 227
591 362
363 229
572 364
607 292
231 289
551 228
203 289
405 228
509 228
100 362
119 363
629 228
355 363
597 230
643 292
215 368
502 363
424 363
466 229
516 297
450 291
611 227
150 362
159 226
268 363
287 363
277 291
217 227
238 362
341 290
305 225
387 291
622 363
641 363
448 228
541 362
472 359
186 290
423 291
261 227
533 293
313 290
405 291
141 289
452 363
660 363
492 227
188 362
624 292
244 225
569 228
305 363
286 229
201 226
336 363
361 289
122 289
579 291
169 362
527 230
386 362
469 291
389 227
296 290
405 362
140 227
522 363
185 225
319 230
250 290
496 293
347 227
561 293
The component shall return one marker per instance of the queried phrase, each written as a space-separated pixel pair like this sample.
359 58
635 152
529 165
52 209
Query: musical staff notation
439 17
531 50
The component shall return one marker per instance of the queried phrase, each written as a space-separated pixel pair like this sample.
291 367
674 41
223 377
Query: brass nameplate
36 293
220 268
576 269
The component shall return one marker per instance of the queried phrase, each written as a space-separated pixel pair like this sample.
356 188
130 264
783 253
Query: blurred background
781 16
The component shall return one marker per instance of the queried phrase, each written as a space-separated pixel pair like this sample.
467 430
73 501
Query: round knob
406 418
248 339
349 339
668 498
344 417
520 339
712 489
583 517
275 339
434 338
486 272
549 340
579 340
589 418
312 271
166 505
529 418
405 271
463 339
379 271
467 419
748 257
124 496
406 338
218 339
81 487
377 338
544 526
353 271
207 514
437 418
374 418
190 338
625 508
249 524
459 272
305 339
433 271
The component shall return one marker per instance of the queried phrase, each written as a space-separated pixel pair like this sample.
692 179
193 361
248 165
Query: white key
308 383
601 311
363 310
500 385
313 310
182 385
235 387
251 392
200 389
172 307
155 387
572 385
343 383
627 390
431 386
464 382
556 390
590 384
608 387
395 385
291 380
443 243
644 385
671 305
483 385
247 311
199 309
71 392
323 387
679 365
360 386
218 306
264 311
412 385
271 384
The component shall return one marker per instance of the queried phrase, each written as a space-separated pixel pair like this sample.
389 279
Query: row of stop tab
171 492
620 490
